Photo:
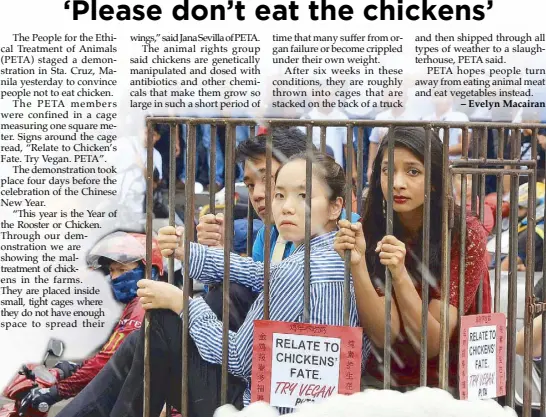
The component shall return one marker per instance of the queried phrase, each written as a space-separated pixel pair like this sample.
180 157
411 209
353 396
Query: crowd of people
412 108
117 390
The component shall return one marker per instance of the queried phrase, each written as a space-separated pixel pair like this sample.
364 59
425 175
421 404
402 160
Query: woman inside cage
372 250
122 381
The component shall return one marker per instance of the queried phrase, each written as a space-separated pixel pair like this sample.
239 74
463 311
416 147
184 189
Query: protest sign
294 363
482 356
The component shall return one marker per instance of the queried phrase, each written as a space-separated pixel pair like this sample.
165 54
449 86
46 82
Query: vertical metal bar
323 139
543 332
149 217
388 278
500 150
517 145
498 233
512 283
189 216
250 212
464 143
228 245
212 174
267 233
348 212
308 193
476 138
250 230
528 319
425 271
483 154
359 168
462 247
534 147
172 191
462 259
447 202
174 130
529 286
498 223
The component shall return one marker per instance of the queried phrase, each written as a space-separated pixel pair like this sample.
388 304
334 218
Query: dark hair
374 221
327 169
162 129
286 142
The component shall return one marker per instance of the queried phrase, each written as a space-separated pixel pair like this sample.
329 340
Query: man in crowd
121 257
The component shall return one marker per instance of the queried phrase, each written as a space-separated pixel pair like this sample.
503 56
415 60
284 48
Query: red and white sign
482 356
294 363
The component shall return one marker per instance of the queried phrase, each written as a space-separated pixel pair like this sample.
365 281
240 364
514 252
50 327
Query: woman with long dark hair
372 251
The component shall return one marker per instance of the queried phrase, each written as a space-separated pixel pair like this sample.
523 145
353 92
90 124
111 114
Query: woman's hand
350 237
157 294
392 254
171 240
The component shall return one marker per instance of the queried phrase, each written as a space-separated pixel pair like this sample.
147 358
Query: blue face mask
125 286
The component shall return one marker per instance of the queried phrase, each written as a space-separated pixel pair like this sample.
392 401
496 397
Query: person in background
242 133
488 214
121 257
372 252
160 139
525 152
240 232
537 339
158 130
523 230
336 137
392 113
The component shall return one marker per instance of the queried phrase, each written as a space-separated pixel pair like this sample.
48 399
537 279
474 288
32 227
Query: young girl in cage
122 382
372 250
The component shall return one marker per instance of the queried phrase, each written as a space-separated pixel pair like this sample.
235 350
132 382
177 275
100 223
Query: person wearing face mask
121 257
204 350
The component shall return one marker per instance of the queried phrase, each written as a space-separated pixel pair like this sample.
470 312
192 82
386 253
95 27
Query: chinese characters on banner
482 356
293 363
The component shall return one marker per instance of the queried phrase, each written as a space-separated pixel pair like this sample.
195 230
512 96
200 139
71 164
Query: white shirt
336 137
379 132
481 114
526 150
454 133
131 182
158 160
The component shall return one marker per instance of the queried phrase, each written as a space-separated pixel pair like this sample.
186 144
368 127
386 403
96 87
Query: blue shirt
258 249
286 300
